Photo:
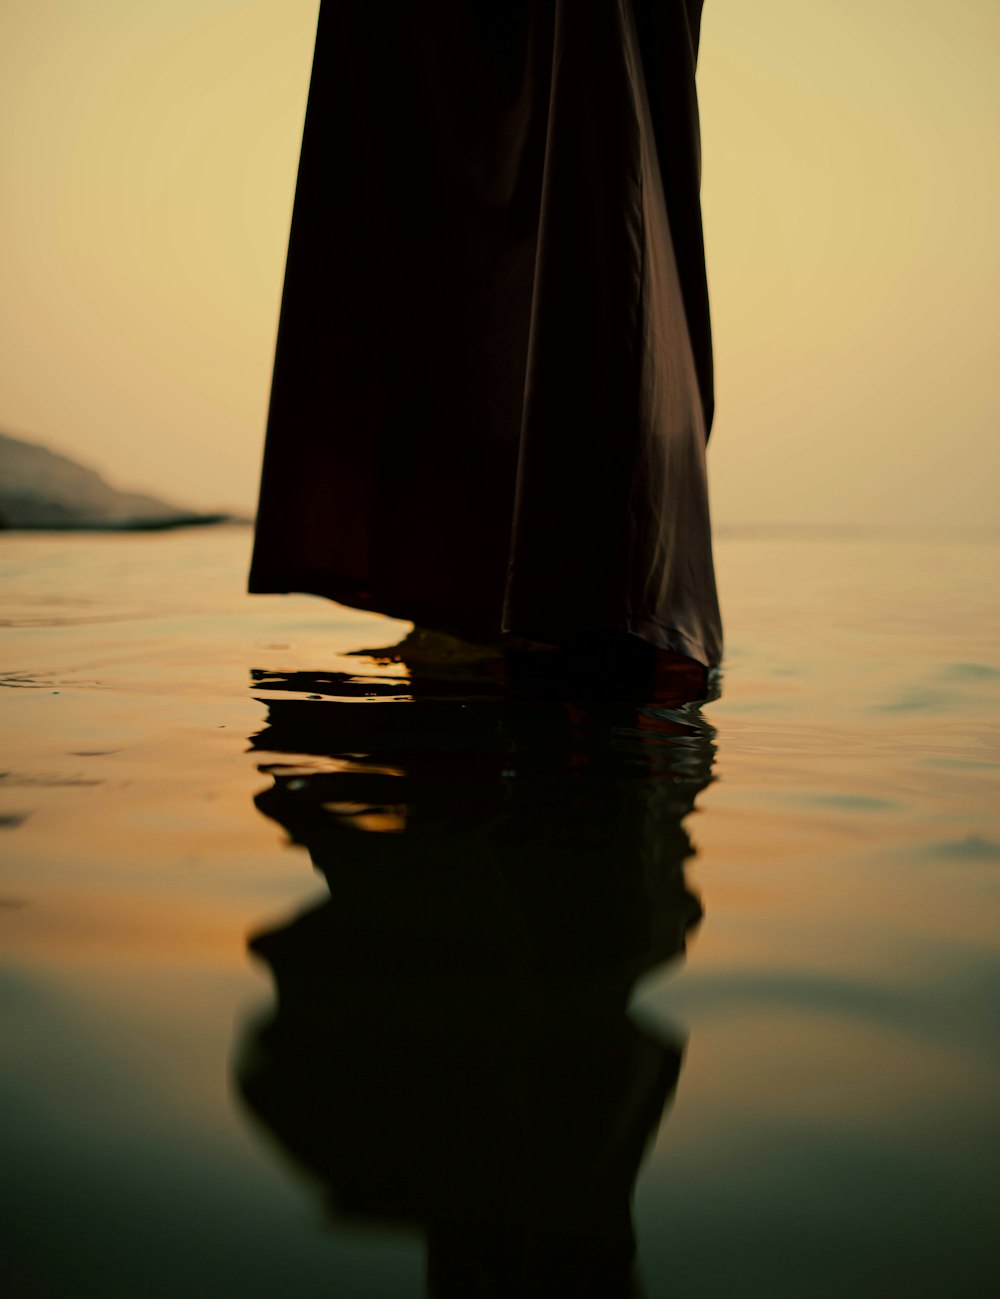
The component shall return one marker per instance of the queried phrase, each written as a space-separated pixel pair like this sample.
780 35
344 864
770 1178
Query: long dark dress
493 381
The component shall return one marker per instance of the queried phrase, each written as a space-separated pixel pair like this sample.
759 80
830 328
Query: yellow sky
852 199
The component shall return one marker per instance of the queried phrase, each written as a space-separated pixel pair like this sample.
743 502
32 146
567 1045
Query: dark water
337 974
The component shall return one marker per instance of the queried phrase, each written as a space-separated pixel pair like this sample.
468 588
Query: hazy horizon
850 203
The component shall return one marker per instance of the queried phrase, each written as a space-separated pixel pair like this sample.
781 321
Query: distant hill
42 489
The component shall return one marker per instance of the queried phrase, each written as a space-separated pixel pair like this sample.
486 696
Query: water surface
320 972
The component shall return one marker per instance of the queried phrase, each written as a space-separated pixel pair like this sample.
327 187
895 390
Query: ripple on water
973 847
973 672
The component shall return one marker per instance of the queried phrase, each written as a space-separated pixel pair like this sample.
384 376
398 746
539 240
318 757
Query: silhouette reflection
451 1047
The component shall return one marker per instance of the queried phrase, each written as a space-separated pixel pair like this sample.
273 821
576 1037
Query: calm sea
319 977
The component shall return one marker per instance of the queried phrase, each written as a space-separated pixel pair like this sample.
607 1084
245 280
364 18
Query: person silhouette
493 379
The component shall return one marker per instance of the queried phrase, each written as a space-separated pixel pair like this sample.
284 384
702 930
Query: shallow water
475 913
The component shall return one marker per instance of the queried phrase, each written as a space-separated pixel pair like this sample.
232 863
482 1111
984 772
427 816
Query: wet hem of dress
669 639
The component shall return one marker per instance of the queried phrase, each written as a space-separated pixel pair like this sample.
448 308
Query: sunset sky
851 195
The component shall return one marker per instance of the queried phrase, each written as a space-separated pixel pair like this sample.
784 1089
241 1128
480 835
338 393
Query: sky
851 198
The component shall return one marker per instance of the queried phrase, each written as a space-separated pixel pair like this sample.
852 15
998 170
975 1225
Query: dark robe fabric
493 380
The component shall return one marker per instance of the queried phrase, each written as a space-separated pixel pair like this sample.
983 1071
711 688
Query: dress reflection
450 1047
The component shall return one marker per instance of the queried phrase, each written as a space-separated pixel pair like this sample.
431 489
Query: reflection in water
451 1047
